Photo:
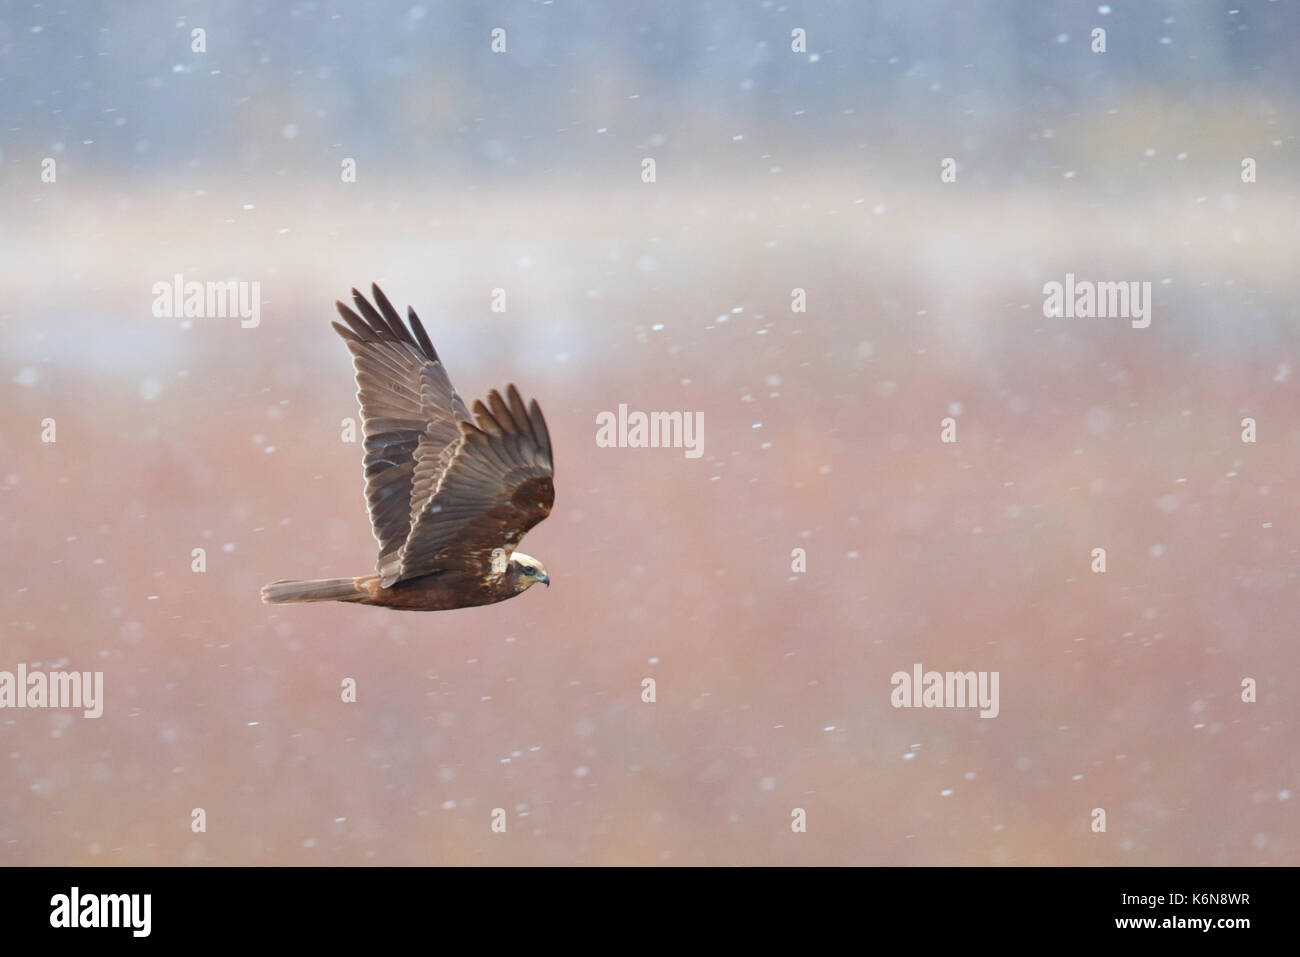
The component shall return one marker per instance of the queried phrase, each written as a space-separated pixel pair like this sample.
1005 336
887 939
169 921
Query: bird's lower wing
498 485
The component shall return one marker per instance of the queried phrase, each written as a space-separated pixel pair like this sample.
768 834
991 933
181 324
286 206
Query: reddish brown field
1119 691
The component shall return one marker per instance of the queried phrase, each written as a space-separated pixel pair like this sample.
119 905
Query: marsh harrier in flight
450 495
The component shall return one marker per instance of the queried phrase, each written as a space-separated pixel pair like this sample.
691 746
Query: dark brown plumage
450 496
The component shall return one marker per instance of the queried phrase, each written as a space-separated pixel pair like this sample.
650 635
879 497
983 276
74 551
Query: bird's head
527 570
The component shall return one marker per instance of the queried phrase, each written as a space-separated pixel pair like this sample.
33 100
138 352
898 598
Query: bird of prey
450 495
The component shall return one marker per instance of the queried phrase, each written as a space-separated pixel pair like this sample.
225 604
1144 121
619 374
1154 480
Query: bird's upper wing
497 486
410 415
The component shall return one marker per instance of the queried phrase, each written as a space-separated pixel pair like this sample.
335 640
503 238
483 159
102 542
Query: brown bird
450 496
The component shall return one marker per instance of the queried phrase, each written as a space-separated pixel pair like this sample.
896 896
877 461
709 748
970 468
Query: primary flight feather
450 494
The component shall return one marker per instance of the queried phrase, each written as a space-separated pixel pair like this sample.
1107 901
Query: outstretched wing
497 487
410 415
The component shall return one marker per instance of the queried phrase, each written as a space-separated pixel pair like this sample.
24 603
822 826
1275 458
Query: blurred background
775 170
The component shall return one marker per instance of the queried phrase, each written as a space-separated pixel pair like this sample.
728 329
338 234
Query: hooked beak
545 580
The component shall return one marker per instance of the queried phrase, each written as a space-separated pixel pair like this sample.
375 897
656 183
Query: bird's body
450 496
440 591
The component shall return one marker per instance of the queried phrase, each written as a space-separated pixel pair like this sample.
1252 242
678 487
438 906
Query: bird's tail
325 589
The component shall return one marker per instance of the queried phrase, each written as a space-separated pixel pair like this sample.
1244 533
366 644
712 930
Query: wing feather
496 486
410 415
